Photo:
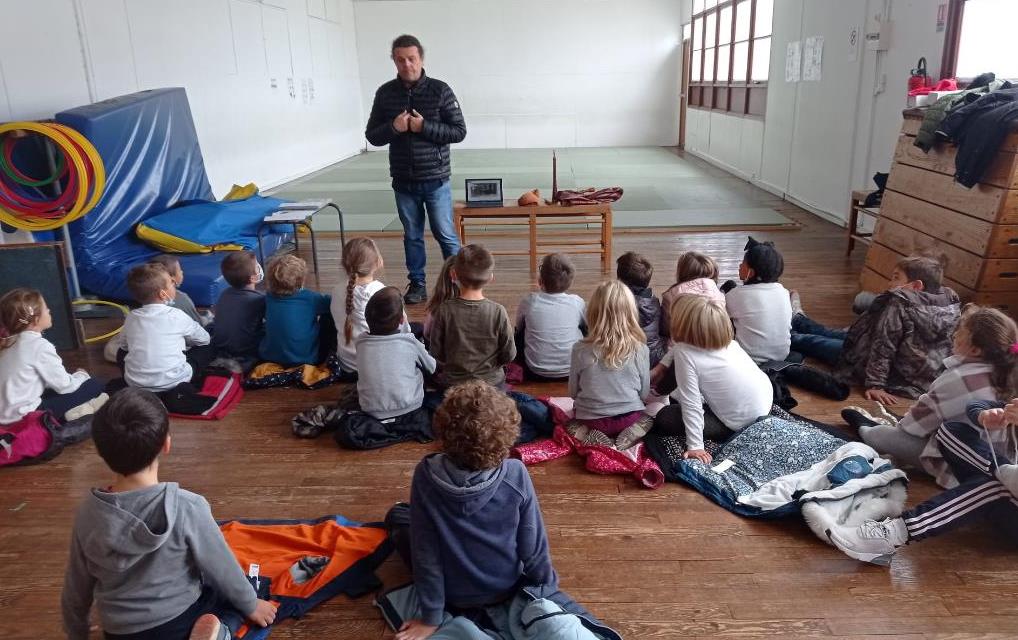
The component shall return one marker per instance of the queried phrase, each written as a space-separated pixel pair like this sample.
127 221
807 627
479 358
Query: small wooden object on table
301 214
595 240
854 209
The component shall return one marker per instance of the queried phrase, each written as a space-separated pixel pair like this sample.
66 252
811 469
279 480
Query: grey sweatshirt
390 380
600 392
144 555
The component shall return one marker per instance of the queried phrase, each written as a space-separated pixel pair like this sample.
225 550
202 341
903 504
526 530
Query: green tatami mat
661 189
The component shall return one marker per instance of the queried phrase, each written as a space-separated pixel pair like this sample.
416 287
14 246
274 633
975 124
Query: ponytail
995 335
360 258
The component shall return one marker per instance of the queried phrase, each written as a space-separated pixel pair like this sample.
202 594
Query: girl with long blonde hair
609 373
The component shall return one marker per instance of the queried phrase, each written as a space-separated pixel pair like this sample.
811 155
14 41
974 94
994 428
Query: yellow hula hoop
87 195
105 336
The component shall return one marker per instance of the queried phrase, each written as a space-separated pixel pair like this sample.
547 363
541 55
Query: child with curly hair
298 324
474 534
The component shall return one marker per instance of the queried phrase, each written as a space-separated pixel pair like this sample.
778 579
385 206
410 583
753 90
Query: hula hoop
15 174
105 336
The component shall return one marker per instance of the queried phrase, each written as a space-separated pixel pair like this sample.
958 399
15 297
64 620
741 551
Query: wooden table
600 240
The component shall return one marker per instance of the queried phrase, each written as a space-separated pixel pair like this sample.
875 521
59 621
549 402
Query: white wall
58 54
820 140
533 73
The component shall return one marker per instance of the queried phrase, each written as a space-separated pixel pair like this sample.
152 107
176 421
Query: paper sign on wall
812 59
793 59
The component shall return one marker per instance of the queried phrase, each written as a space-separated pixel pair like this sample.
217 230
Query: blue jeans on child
414 201
814 340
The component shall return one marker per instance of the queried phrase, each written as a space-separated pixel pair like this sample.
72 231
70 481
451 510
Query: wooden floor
653 564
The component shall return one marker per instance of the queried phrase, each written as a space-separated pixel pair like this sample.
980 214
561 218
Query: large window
976 40
731 55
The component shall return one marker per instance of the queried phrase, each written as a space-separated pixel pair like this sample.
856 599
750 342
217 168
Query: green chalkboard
41 266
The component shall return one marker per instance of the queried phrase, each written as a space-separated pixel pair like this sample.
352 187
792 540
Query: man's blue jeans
812 339
414 200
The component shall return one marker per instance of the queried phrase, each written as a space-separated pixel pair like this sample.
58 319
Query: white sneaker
871 541
1008 476
208 627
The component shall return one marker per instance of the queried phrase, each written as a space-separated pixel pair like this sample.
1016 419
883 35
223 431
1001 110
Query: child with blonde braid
32 375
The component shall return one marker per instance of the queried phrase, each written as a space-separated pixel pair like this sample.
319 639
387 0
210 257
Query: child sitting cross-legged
719 389
240 311
390 362
609 373
471 337
635 271
761 309
148 553
166 351
550 321
982 368
898 345
298 327
473 532
695 273
32 375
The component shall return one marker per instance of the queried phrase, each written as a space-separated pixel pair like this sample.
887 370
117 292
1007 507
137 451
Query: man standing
418 117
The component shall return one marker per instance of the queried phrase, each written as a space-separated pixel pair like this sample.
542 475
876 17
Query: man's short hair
130 430
474 266
384 311
929 270
634 270
238 267
556 272
407 40
477 425
170 262
285 274
145 281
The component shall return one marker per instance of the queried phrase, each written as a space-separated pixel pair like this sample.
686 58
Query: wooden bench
595 240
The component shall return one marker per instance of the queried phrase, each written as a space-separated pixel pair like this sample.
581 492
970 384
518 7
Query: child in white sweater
32 375
719 390
761 309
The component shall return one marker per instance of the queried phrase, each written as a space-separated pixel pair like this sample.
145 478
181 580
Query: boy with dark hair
898 344
181 301
550 321
164 351
471 336
390 364
149 553
240 311
635 271
476 534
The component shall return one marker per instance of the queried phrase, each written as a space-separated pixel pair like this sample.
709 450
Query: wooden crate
982 201
1003 172
976 236
967 268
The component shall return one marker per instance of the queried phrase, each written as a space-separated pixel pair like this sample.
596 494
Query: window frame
952 43
741 97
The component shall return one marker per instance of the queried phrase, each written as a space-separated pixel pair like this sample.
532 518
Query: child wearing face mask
166 351
240 311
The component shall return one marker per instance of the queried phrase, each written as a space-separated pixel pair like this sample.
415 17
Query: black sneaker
416 293
856 417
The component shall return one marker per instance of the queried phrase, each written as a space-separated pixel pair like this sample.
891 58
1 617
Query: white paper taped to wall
793 55
812 59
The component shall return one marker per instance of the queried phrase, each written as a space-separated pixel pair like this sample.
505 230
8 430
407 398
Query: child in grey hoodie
148 552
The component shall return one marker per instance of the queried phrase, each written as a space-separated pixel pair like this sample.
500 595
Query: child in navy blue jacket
475 528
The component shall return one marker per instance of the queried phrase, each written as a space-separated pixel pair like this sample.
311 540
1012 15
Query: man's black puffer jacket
417 157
